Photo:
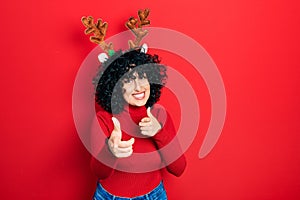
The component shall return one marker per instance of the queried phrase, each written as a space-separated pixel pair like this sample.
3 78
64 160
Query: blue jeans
158 193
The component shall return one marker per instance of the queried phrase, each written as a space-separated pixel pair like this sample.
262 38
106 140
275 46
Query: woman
127 88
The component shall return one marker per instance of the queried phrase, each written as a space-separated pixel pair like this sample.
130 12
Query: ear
144 48
102 57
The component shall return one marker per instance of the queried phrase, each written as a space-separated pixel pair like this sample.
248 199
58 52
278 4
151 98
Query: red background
255 45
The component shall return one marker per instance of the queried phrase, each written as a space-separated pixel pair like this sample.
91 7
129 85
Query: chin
139 104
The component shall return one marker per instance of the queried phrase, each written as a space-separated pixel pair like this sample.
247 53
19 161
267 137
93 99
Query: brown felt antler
99 30
136 27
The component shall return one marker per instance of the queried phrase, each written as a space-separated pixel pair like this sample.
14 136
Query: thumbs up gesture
119 148
149 126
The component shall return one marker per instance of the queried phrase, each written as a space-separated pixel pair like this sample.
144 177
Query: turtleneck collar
135 112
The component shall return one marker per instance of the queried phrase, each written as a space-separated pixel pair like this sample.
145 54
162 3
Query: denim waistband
157 193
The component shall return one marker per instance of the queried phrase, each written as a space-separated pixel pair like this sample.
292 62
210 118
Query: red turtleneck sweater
139 173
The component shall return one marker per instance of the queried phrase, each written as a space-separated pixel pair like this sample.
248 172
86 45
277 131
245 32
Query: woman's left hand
149 126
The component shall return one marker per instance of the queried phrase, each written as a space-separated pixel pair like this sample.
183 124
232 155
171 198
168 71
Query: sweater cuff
106 157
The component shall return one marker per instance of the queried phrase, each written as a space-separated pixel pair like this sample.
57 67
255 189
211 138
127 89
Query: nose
137 85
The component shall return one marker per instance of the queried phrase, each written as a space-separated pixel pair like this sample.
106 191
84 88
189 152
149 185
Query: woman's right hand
119 148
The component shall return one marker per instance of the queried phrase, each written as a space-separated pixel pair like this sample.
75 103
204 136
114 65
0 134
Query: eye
128 80
143 76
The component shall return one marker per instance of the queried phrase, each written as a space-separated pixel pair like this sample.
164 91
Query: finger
124 155
146 128
117 125
149 112
146 119
145 123
124 150
146 133
125 144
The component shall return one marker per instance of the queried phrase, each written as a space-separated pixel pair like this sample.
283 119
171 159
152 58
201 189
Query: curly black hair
122 66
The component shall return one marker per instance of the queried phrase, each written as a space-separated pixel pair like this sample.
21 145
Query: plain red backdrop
255 45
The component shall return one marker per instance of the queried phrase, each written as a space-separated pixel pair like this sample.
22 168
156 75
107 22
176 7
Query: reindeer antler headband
99 30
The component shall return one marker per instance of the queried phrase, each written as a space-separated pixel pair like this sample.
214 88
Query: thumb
117 126
149 113
116 134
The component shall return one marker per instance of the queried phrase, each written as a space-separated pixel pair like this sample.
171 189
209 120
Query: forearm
103 165
170 151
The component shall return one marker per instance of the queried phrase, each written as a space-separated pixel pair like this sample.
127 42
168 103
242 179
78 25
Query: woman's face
136 91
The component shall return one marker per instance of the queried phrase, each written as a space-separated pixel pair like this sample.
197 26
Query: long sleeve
101 152
167 136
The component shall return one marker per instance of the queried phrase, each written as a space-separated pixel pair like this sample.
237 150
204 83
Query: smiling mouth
139 96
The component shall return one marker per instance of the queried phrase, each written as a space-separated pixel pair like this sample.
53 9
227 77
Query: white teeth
139 96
